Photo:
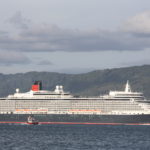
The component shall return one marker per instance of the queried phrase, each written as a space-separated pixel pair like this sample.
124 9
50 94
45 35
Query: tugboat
31 121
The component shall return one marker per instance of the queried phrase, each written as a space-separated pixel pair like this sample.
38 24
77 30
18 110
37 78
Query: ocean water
74 137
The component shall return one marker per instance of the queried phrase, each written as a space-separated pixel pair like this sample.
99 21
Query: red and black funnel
37 86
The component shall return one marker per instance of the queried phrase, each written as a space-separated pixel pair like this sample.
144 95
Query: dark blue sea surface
74 137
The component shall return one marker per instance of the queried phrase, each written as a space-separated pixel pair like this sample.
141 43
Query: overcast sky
73 36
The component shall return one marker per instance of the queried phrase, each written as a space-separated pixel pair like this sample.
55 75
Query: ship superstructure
58 105
36 93
125 95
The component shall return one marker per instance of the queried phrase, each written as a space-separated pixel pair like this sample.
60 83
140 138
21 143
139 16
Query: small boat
31 121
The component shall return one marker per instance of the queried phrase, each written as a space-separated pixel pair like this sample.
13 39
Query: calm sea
74 137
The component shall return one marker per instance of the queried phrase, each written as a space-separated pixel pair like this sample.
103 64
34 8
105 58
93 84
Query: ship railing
64 97
144 106
6 112
129 112
73 113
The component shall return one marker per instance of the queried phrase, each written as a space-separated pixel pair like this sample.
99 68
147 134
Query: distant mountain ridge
89 84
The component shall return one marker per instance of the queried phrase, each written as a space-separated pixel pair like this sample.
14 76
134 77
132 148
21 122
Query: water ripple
73 137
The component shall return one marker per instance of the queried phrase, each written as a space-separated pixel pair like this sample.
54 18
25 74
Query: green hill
92 83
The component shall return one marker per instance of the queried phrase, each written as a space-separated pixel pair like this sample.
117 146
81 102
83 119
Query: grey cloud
3 33
45 62
19 21
135 63
53 38
57 39
11 58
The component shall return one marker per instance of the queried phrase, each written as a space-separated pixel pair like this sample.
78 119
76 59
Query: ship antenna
127 88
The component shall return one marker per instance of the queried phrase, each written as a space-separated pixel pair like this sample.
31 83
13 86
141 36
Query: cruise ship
58 106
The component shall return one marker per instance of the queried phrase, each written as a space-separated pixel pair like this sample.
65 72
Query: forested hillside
92 83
